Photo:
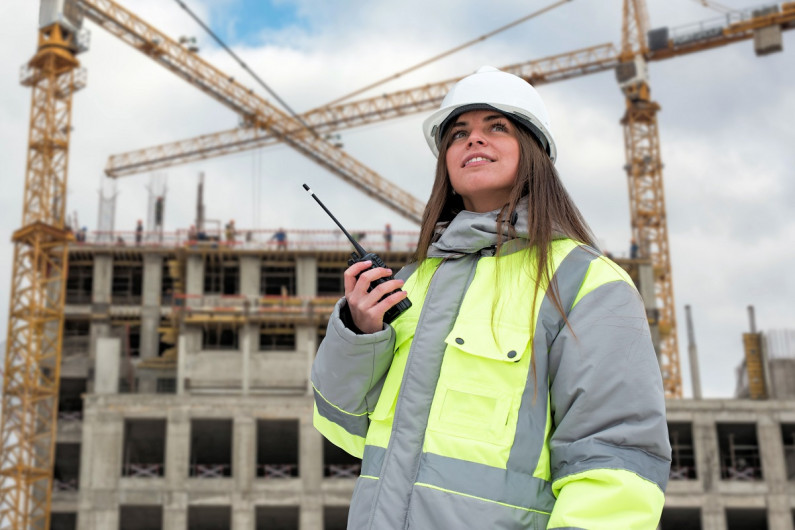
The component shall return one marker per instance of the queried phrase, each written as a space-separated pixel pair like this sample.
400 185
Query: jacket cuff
342 322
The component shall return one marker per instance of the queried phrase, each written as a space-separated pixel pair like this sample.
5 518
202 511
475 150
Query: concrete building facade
186 403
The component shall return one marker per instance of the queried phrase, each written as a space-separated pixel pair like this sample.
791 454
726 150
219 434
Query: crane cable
450 51
245 67
716 6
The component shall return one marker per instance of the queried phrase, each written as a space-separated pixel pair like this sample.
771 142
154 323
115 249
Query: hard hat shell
492 88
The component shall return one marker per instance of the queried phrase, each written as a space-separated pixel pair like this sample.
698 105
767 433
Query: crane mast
645 182
33 355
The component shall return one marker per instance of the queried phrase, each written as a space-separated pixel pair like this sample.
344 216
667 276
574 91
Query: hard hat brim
435 125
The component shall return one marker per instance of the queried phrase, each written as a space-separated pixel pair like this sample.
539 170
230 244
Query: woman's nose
476 139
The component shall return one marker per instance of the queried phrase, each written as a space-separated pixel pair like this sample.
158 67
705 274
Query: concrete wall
103 490
713 495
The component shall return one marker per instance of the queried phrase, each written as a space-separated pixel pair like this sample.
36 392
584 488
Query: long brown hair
550 209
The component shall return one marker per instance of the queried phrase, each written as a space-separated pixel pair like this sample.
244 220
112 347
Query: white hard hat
490 88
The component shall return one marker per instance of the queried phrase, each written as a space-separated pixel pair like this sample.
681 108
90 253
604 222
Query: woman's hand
367 309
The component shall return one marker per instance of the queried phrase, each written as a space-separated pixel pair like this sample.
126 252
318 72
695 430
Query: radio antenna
356 245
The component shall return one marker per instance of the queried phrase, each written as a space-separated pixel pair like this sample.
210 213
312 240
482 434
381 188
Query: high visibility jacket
458 430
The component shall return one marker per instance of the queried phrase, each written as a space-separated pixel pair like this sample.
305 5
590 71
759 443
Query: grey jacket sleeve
349 369
606 392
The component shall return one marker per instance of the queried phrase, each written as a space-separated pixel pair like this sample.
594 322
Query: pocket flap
504 341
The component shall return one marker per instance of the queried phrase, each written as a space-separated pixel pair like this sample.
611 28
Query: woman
521 389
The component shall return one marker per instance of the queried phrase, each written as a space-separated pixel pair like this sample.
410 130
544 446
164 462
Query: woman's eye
459 134
499 127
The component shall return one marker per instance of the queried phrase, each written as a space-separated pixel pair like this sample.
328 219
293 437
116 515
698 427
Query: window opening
220 337
277 449
683 462
127 284
277 280
144 448
739 452
211 448
277 337
79 283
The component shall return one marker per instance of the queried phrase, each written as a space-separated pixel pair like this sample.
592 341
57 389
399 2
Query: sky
726 132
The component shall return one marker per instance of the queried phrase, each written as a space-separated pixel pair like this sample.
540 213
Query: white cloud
725 129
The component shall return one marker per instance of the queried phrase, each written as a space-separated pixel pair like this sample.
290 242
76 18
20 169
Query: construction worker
388 237
521 389
139 232
231 233
281 239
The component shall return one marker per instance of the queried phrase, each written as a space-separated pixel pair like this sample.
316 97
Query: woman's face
483 159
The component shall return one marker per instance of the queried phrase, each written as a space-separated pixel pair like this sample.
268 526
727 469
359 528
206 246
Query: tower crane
30 385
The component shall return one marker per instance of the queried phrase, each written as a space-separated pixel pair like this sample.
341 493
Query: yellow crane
31 378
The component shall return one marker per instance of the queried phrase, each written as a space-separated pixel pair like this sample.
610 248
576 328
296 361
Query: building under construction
185 399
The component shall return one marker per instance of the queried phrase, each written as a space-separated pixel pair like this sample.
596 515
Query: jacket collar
472 232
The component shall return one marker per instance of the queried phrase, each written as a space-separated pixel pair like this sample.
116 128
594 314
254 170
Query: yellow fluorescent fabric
606 499
338 436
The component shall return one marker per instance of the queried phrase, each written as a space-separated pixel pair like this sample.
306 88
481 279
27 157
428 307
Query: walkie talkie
362 255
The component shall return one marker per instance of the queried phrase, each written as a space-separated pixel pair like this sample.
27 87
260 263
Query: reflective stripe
407 271
366 360
486 482
589 454
402 458
354 424
531 425
373 460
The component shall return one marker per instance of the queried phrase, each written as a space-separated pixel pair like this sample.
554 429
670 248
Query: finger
350 274
384 305
368 277
386 288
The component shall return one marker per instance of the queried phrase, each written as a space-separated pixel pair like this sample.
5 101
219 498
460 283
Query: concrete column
182 345
249 343
707 452
306 344
175 511
311 514
306 276
150 310
713 514
244 454
310 457
106 452
771 448
250 275
194 274
243 516
177 453
107 365
310 446
100 304
102 281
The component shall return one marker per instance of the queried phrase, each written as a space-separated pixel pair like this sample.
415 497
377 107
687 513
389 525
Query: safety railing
210 470
140 470
65 485
71 415
256 239
218 304
277 471
741 464
342 470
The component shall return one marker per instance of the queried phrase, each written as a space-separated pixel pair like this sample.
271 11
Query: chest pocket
477 399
